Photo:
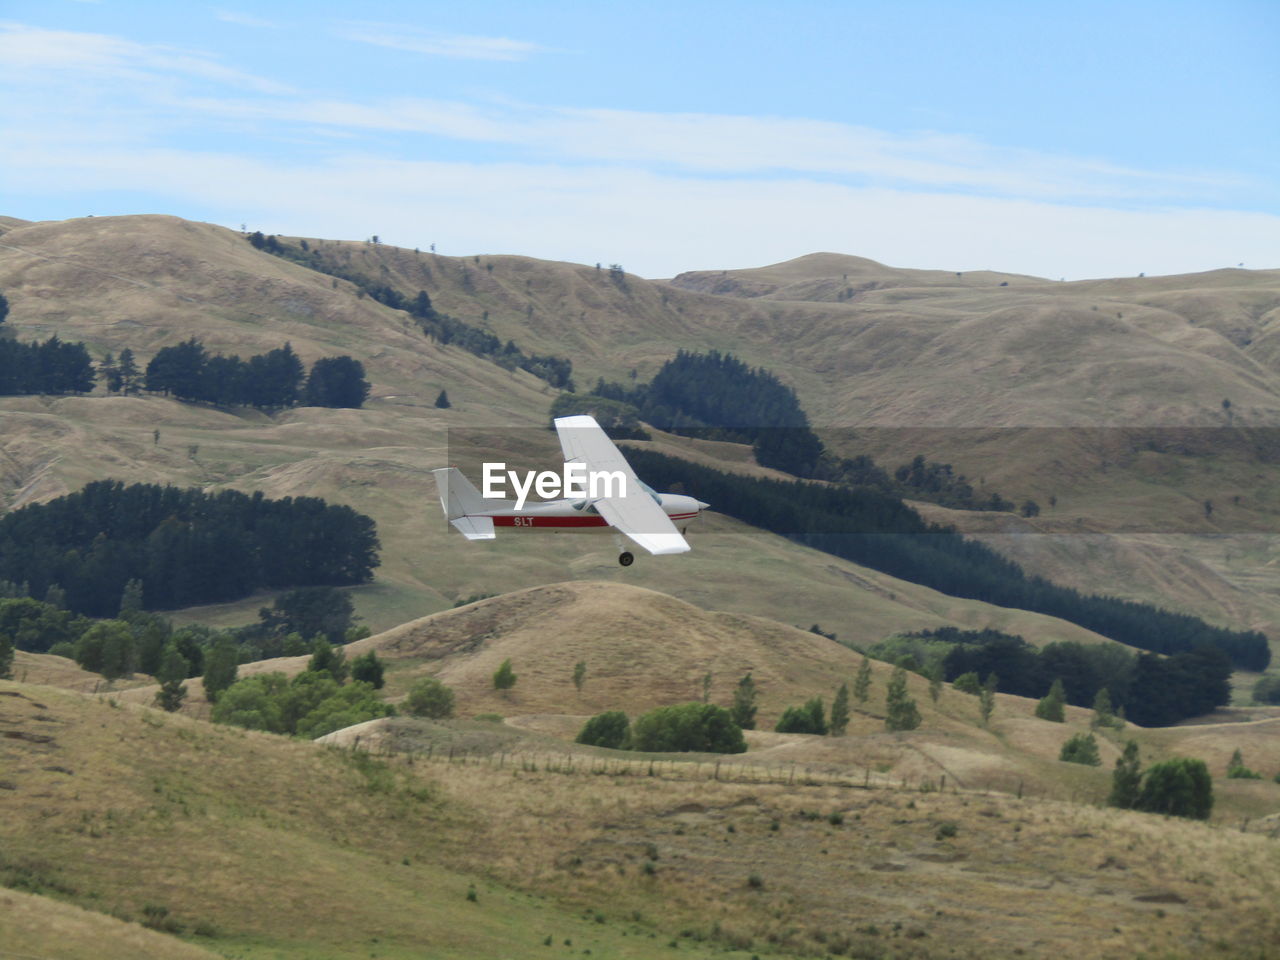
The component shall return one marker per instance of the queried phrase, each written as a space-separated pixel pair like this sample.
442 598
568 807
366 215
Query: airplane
654 521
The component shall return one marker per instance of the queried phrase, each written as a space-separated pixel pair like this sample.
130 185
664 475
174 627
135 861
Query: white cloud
29 54
659 225
435 44
243 19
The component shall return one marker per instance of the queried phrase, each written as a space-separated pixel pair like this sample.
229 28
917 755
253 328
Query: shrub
810 718
968 683
703 727
504 678
1082 748
1050 706
1236 770
609 729
429 697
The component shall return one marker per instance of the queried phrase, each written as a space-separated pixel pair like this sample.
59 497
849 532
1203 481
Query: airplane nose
703 506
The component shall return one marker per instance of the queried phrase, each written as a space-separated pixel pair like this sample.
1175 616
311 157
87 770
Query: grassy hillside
914 347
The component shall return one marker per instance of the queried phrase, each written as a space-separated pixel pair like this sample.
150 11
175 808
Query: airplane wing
636 514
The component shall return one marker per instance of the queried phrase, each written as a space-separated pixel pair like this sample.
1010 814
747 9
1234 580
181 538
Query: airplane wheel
626 559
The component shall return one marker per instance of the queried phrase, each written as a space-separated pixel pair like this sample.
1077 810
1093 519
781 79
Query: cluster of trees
1148 689
316 701
185 546
700 727
273 380
717 396
50 367
557 371
1180 787
877 530
137 641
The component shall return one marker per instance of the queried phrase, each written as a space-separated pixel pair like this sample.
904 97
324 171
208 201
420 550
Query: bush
1050 706
1236 770
429 697
968 683
1082 748
310 705
1267 689
704 727
1180 787
807 719
609 729
504 678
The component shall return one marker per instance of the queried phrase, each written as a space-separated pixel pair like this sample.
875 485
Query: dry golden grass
36 926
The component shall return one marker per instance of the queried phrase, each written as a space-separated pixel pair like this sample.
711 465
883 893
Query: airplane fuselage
578 514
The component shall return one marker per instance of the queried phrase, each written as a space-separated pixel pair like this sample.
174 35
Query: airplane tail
460 501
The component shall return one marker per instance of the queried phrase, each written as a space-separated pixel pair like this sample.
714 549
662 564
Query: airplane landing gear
626 558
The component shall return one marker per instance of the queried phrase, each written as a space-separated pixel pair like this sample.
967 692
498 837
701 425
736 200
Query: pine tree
1050 706
579 675
131 599
1126 780
862 682
173 670
902 713
325 658
442 401
336 382
109 372
743 711
987 698
840 711
127 371
504 678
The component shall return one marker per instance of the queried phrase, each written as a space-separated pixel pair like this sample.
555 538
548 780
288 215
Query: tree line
557 371
54 366
185 546
873 529
1149 690
274 380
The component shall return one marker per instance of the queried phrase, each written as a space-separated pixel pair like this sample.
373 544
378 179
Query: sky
1061 140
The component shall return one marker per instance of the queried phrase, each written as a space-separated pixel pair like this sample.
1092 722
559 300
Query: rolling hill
909 339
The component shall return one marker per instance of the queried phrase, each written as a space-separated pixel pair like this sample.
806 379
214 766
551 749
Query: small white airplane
621 500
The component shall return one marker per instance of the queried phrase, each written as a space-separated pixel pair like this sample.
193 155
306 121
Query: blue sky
1063 140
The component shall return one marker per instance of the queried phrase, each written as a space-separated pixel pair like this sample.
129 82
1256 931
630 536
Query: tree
902 713
109 372
609 729
336 382
743 710
968 682
4 307
107 648
1050 706
1103 713
1081 748
325 658
934 673
429 697
1267 689
706 687
220 666
1126 779
442 401
840 711
579 675
173 670
127 372
6 657
987 699
1180 787
131 598
312 612
810 718
703 727
504 678
862 682
368 669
